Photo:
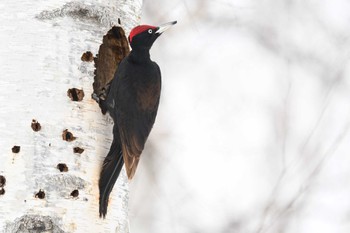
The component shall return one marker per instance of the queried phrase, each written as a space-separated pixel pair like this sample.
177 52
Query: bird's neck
139 55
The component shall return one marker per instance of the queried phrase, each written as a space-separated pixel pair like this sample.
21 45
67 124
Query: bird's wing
136 113
134 129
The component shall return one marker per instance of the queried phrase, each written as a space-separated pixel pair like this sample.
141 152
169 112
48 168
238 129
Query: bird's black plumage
132 102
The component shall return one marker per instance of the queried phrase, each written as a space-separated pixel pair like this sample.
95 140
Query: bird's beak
162 28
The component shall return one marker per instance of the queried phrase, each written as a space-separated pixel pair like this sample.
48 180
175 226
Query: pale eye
150 31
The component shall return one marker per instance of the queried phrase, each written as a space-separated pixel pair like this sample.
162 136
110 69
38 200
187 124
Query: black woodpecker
132 101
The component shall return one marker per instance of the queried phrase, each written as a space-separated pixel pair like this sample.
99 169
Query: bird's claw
95 97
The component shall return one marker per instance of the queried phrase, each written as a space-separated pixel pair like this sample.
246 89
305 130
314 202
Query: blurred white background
252 133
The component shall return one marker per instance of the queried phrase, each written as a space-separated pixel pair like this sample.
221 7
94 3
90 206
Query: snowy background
252 133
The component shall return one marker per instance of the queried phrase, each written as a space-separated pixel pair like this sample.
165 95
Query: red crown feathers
138 29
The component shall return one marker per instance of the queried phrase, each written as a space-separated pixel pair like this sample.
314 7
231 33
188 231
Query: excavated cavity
2 181
75 193
87 56
113 49
68 136
35 125
78 150
40 194
75 94
16 149
62 167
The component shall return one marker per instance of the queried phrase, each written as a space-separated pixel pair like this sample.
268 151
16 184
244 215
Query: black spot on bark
2 181
62 167
68 136
40 194
78 150
16 149
75 193
75 94
36 125
2 191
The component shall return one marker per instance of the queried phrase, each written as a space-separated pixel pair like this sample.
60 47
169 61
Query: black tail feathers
112 165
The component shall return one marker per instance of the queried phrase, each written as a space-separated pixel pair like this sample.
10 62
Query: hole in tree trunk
87 56
40 194
62 167
2 181
114 48
36 125
16 149
68 136
78 150
75 193
75 94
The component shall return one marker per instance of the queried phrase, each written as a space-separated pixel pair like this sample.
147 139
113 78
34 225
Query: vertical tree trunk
41 47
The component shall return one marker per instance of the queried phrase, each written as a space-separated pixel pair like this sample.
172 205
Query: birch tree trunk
41 47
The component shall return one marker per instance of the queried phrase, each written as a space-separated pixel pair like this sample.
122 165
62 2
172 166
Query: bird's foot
102 95
95 97
100 99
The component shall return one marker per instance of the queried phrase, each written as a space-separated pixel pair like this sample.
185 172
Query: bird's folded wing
134 132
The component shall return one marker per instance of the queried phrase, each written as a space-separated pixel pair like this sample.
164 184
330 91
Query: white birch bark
41 46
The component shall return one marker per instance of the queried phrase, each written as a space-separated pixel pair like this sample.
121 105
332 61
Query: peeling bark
114 48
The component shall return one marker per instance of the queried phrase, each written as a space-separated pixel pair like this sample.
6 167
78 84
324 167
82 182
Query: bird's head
143 36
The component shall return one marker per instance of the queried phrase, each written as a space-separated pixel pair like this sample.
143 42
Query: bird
132 101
